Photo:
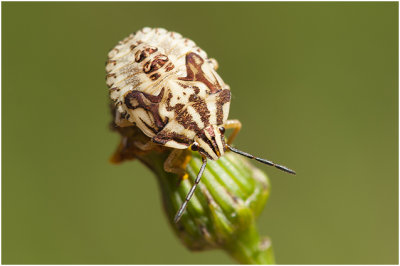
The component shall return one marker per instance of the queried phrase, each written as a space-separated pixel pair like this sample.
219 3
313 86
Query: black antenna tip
284 168
261 160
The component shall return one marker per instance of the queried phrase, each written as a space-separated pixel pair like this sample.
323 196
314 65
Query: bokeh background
324 76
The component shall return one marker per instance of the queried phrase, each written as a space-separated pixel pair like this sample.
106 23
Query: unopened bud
222 212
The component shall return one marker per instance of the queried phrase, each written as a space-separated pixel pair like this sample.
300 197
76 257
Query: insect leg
176 162
191 191
236 125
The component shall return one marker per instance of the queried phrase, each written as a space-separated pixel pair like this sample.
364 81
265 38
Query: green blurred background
323 74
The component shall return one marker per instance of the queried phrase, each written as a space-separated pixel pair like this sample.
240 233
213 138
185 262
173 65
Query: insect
165 85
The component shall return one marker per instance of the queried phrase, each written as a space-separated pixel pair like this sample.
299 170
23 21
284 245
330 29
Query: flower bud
222 212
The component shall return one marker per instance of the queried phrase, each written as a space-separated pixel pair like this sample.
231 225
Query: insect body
168 87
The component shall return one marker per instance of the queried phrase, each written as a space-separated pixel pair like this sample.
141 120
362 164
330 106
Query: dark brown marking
183 85
223 97
155 64
169 67
212 141
152 106
142 54
114 62
193 98
203 136
178 108
201 108
196 89
164 137
168 102
195 73
123 115
149 127
186 120
155 76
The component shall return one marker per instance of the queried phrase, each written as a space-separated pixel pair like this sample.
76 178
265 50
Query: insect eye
195 146
222 130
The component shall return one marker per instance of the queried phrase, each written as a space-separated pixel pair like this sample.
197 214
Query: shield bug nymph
165 85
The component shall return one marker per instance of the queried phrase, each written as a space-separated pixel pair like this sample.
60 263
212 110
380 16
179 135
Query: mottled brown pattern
196 89
114 62
169 67
142 54
168 102
111 75
152 107
186 120
223 97
201 108
193 98
178 108
183 85
155 76
190 111
155 64
195 73
164 137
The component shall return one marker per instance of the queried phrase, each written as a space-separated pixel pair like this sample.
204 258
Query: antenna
280 167
190 194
